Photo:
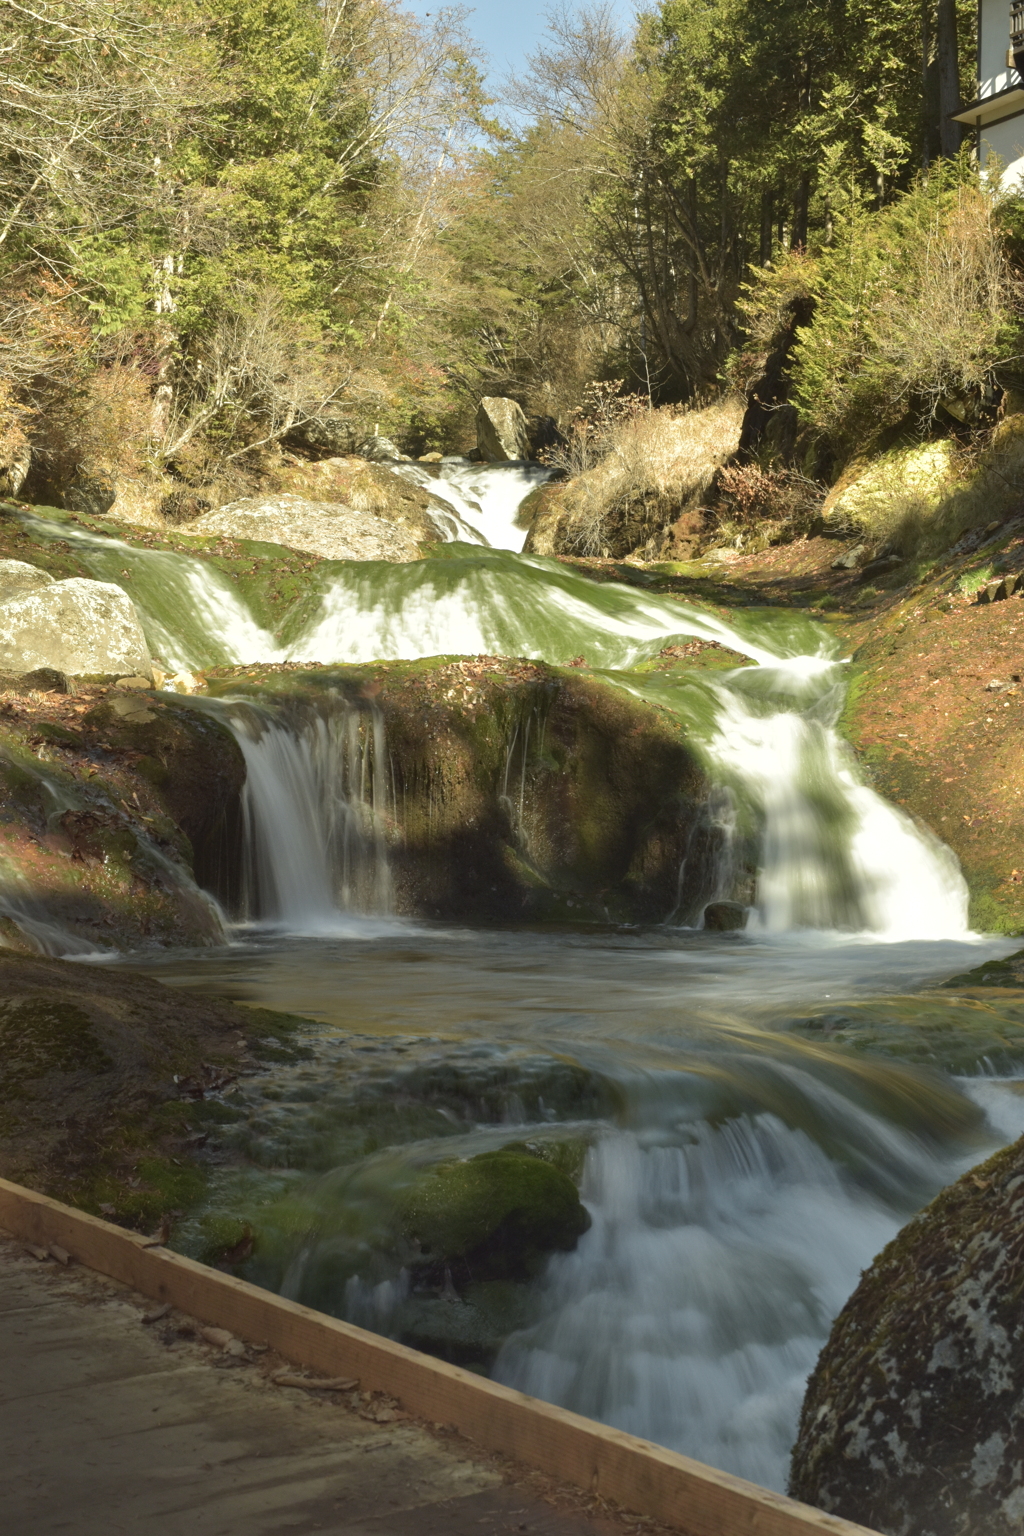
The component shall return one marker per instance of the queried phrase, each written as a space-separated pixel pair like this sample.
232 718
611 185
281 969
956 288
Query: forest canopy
228 227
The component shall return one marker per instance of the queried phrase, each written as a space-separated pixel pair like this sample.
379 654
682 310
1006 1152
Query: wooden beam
641 1477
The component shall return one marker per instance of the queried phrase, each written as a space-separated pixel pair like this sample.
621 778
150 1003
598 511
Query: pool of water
751 1119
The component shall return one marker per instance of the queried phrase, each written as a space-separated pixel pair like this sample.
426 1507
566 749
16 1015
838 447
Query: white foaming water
834 854
484 498
694 1308
313 808
508 610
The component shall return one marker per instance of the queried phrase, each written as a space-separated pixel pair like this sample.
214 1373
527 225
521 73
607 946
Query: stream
751 1115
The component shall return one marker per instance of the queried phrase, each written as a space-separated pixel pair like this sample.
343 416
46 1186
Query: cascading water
487 497
314 806
710 1275
834 855
192 615
739 1166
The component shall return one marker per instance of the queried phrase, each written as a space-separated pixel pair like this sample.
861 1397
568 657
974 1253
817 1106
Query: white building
997 112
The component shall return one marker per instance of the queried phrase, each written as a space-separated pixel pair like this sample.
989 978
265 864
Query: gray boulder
914 1416
16 576
324 434
328 529
75 626
502 431
725 916
852 560
379 450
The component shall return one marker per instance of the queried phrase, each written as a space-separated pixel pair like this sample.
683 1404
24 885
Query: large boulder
328 529
496 1216
502 431
913 1421
909 480
380 450
76 626
16 576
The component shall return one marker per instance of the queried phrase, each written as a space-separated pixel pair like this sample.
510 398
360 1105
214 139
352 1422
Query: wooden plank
641 1477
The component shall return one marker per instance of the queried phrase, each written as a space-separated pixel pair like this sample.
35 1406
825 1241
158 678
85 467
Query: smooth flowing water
751 1115
756 1117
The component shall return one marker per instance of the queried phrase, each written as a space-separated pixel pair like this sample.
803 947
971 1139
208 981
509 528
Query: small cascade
834 855
693 1309
314 808
484 499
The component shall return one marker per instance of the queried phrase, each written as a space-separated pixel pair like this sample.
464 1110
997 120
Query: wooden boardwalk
109 1425
433 1414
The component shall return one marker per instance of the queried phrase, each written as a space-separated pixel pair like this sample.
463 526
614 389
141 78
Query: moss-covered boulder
519 790
493 1217
913 1420
873 497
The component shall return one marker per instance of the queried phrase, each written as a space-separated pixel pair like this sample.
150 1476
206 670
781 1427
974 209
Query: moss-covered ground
110 1084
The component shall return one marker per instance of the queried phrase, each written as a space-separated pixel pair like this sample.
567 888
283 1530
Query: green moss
218 1235
500 1213
159 1186
39 1036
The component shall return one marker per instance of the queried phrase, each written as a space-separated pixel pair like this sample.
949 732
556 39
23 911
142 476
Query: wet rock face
191 764
913 1421
76 626
113 808
526 793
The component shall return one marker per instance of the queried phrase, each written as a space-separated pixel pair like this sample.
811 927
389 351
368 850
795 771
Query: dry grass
656 464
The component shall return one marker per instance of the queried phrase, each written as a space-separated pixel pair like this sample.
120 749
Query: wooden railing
642 1478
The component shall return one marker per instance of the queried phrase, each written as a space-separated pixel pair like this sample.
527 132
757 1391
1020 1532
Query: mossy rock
868 496
498 1215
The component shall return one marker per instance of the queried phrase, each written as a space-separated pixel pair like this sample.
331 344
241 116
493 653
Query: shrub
775 496
915 304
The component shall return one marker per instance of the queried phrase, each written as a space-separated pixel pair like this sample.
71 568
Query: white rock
17 576
329 529
77 626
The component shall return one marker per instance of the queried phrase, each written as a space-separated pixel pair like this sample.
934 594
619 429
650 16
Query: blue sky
507 30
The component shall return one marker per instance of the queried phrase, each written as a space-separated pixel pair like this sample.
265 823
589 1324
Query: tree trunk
949 76
803 194
767 220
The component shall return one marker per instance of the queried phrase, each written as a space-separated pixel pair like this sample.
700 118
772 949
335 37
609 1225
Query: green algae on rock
496 1216
914 1415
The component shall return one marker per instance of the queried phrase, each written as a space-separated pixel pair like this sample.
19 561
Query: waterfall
834 855
485 498
831 854
314 808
